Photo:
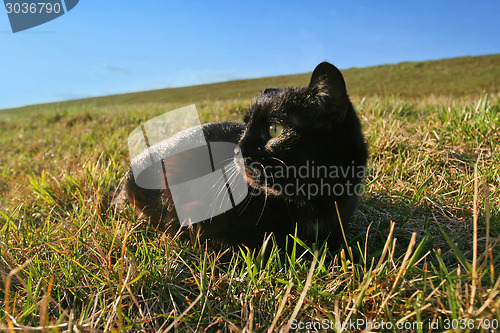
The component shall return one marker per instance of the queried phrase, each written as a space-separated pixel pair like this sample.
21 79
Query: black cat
304 158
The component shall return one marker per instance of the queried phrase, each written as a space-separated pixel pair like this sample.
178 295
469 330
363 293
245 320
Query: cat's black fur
320 129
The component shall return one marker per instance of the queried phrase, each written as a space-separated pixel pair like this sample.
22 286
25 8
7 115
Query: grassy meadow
422 254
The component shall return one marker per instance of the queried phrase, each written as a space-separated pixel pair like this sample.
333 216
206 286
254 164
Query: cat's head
296 127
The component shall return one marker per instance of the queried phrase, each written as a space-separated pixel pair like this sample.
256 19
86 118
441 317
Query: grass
422 251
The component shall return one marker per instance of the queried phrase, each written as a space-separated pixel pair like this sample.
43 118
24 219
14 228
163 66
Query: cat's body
303 160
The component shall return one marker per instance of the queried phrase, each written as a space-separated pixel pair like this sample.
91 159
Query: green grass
424 241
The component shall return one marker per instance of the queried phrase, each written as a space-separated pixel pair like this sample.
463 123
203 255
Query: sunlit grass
414 253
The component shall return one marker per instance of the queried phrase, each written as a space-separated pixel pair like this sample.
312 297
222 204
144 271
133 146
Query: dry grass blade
413 313
176 321
402 269
474 240
386 246
280 309
19 327
488 214
7 283
298 306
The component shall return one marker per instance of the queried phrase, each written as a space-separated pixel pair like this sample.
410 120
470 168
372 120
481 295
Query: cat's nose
237 151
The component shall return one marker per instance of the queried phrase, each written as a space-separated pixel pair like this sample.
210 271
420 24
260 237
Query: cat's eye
275 130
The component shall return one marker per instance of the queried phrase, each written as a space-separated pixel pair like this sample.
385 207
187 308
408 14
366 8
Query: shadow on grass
376 211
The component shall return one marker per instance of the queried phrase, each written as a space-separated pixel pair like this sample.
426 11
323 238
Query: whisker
265 195
279 160
246 201
223 181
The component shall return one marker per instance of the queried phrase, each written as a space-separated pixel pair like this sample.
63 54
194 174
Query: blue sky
109 47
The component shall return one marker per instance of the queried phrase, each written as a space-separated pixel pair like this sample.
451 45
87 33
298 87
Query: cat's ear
328 87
